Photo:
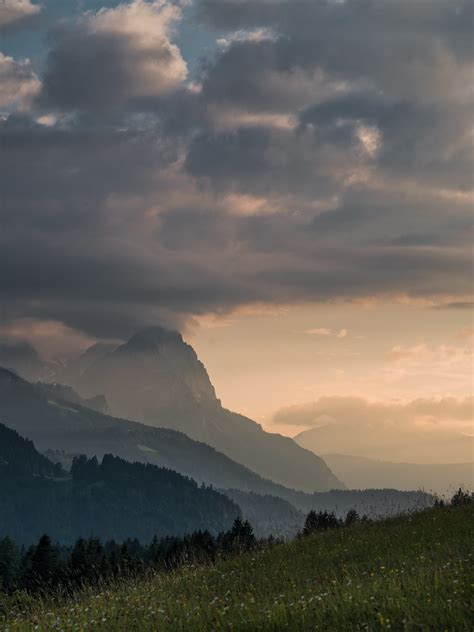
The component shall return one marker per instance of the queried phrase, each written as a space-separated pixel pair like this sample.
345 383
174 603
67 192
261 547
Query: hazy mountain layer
59 391
22 358
19 457
65 426
59 424
156 378
363 473
379 438
111 500
269 515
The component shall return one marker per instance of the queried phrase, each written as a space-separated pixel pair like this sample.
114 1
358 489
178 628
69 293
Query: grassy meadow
407 573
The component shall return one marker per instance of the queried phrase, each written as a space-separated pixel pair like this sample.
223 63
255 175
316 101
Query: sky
288 183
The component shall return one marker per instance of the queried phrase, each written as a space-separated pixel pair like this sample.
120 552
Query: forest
111 499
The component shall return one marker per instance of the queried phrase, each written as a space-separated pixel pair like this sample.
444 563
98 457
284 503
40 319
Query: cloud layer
322 151
424 430
114 58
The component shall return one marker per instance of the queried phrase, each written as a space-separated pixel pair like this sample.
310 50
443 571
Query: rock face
156 378
66 393
154 373
63 426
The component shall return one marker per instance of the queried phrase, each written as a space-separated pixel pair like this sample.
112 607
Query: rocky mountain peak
152 338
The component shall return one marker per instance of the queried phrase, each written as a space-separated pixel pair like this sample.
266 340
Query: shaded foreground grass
407 573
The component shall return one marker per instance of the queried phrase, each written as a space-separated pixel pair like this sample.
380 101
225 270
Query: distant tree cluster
460 498
317 521
324 520
108 499
46 566
18 457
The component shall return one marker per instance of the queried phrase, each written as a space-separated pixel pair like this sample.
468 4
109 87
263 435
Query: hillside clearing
407 573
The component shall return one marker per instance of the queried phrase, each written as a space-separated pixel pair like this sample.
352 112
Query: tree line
111 499
46 566
323 520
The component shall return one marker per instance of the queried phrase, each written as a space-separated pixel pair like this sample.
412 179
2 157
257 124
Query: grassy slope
407 573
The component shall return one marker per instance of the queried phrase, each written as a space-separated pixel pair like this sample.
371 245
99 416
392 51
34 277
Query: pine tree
10 559
44 567
352 517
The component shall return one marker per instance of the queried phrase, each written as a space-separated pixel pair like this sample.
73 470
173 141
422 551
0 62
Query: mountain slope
59 391
269 515
111 499
18 456
156 378
65 426
386 442
22 358
58 424
364 473
409 573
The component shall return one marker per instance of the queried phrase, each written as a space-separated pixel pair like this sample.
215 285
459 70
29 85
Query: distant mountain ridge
365 473
64 426
22 358
18 457
424 444
111 499
67 393
156 378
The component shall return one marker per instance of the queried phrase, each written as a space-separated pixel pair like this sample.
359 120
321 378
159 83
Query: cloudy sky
289 182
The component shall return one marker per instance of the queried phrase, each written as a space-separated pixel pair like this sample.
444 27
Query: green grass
407 573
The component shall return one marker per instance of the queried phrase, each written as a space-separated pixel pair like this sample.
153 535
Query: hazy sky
289 182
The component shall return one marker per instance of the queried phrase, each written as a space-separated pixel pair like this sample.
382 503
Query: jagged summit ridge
157 378
153 338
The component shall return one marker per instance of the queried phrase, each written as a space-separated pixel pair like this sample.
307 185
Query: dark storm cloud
266 161
403 67
323 152
411 24
429 140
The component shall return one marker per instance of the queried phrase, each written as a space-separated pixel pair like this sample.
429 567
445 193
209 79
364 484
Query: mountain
66 393
75 366
157 379
18 457
425 443
113 499
59 424
364 473
66 427
22 358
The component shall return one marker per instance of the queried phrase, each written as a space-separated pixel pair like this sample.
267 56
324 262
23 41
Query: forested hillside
64 426
18 456
112 499
54 423
407 573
